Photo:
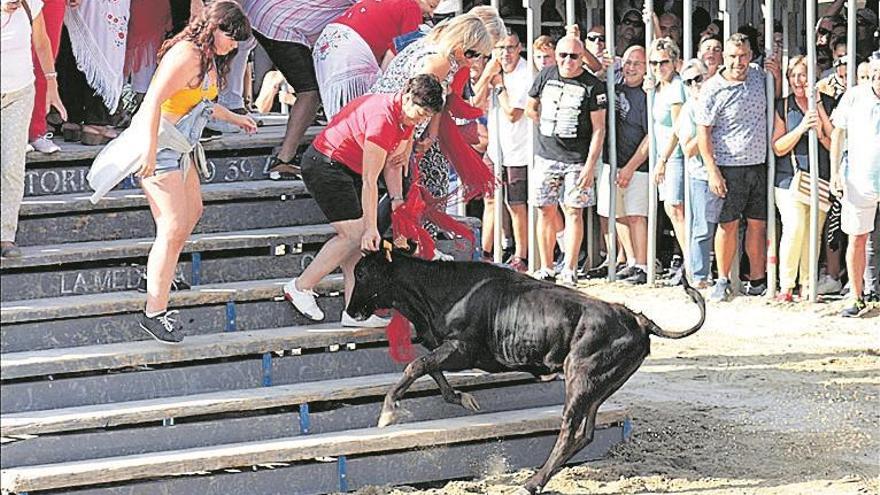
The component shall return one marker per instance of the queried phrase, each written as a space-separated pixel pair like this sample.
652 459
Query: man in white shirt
509 136
857 120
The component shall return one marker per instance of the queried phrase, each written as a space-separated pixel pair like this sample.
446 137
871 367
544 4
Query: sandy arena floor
764 399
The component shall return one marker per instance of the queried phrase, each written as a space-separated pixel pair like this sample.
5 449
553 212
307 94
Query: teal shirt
670 94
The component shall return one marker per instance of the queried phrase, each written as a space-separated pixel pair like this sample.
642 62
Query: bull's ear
387 247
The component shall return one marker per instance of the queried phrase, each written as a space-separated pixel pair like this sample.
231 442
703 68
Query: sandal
281 170
71 132
94 136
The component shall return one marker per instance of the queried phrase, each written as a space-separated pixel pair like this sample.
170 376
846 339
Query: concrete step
305 448
360 410
58 362
125 214
231 158
53 256
226 402
73 321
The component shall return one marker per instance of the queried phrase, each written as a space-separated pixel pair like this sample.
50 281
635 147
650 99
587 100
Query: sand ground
766 398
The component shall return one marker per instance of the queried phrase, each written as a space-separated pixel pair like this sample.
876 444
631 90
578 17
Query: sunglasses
596 37
694 80
632 22
472 54
655 63
573 56
823 32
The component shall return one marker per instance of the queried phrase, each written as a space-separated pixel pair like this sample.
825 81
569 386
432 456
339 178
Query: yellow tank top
184 100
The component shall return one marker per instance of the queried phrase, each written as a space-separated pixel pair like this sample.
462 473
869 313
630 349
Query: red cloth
53 16
375 118
380 21
147 25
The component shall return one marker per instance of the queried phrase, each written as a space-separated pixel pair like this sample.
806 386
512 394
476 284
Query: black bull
477 315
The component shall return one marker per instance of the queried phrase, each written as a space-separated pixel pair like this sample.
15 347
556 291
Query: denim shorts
190 125
672 188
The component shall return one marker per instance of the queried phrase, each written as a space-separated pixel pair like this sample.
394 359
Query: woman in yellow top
190 66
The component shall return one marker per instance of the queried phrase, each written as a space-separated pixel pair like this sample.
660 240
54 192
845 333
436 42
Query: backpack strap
27 10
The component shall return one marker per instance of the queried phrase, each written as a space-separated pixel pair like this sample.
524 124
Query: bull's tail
697 298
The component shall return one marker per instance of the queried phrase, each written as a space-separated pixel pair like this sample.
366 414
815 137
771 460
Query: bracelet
396 198
51 75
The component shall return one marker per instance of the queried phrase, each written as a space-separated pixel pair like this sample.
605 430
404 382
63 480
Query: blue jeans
705 209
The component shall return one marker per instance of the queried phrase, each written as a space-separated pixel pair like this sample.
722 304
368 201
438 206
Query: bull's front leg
452 396
429 363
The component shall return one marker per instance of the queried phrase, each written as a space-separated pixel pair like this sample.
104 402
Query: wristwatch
499 89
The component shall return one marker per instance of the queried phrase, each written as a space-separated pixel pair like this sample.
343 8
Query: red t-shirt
380 21
373 117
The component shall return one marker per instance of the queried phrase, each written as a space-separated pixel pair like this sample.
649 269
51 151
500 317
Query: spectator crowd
415 98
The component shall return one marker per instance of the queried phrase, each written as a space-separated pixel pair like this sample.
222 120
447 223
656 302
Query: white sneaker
372 322
44 144
827 285
568 278
441 256
545 274
303 301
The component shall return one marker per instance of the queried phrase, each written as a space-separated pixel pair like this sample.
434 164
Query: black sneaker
858 308
750 288
178 283
163 327
638 277
626 272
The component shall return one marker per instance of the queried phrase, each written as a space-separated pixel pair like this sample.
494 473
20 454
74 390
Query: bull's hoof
386 418
469 402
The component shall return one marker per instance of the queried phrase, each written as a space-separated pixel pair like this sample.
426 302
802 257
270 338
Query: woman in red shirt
341 170
348 52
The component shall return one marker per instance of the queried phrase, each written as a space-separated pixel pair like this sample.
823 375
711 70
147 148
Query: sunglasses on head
596 37
694 80
473 54
573 56
655 63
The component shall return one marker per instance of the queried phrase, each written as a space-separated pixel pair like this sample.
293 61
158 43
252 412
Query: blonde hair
695 64
543 42
794 62
465 31
668 46
492 21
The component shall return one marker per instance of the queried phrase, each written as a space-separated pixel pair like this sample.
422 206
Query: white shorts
859 206
632 201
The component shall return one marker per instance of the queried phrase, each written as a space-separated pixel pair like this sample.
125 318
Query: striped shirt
294 21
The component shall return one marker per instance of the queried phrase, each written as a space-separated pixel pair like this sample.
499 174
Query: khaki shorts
632 201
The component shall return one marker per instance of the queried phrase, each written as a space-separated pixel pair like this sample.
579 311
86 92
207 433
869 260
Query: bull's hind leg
589 381
451 352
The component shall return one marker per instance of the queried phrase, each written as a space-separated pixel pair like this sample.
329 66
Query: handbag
801 183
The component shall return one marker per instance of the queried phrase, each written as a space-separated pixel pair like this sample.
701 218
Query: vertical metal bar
497 249
196 275
305 422
267 369
611 132
851 43
230 316
687 37
788 8
494 3
771 157
343 473
569 13
814 150
652 159
533 30
687 32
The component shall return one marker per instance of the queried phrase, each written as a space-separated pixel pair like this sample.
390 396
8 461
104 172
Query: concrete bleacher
257 399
